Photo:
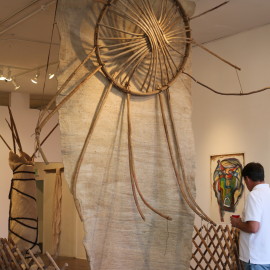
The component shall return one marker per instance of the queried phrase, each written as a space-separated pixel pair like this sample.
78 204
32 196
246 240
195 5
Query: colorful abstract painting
226 172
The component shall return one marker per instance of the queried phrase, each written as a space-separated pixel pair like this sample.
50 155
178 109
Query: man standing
254 241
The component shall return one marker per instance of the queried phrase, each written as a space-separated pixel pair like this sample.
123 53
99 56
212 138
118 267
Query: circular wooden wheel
142 45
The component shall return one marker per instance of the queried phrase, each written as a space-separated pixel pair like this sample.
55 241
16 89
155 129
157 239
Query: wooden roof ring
142 45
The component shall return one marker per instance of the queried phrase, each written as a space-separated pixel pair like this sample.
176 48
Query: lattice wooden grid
215 248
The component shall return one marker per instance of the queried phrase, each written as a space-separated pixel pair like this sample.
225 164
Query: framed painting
226 181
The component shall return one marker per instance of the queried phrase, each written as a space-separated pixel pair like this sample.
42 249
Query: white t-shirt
255 247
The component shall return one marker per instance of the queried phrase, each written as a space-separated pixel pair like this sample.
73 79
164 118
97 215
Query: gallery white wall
227 124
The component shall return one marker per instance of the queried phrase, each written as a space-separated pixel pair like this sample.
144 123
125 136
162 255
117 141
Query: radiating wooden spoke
142 45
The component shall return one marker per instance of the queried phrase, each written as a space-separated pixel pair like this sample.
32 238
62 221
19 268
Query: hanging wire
241 89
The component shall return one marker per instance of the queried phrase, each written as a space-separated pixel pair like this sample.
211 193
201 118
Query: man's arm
248 226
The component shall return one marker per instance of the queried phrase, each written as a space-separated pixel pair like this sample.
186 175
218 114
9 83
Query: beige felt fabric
22 206
115 235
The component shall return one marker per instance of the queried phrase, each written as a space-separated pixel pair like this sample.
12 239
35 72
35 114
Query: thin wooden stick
14 139
227 94
35 259
63 101
161 71
64 85
160 37
13 135
173 162
166 14
52 261
5 257
15 129
132 42
161 10
181 161
2 264
125 52
129 18
205 12
22 258
86 142
175 50
134 57
132 165
105 2
133 45
119 30
5 142
139 61
167 26
135 195
148 72
214 54
44 140
153 62
118 38
12 256
183 186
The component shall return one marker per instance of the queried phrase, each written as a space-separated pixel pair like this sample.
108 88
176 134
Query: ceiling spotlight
35 79
51 75
16 86
2 77
8 78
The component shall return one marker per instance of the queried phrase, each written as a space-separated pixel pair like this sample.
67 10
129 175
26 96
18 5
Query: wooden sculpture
138 53
141 47
23 214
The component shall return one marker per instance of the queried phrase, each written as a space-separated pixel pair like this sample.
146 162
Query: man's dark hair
254 171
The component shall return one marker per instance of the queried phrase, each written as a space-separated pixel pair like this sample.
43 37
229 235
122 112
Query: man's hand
248 226
236 221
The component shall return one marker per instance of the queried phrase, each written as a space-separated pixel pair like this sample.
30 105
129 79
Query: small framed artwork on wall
226 181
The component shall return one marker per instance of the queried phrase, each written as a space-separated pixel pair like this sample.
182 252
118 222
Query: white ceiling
26 40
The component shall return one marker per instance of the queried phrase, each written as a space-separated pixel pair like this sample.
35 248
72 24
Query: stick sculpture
23 215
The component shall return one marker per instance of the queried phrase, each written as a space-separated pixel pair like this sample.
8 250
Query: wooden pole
214 54
227 94
15 129
86 142
133 176
44 140
205 12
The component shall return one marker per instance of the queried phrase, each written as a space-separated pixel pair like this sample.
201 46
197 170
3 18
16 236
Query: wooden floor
73 264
